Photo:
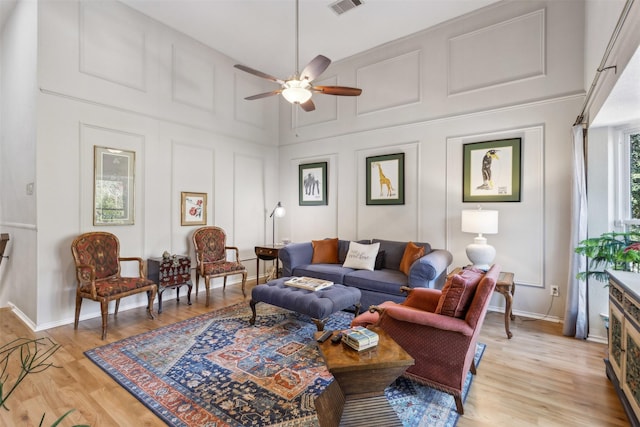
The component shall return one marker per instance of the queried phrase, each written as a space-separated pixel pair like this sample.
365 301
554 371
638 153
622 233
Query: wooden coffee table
357 395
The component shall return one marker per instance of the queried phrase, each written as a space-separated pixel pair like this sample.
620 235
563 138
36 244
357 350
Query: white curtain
576 321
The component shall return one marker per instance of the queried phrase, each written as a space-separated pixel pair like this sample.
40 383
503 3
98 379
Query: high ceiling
261 33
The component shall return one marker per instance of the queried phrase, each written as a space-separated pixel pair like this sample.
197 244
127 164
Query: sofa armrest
427 269
293 255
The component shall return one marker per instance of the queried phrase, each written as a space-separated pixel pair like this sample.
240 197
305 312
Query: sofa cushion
458 293
379 261
361 257
411 253
384 281
325 251
395 250
332 272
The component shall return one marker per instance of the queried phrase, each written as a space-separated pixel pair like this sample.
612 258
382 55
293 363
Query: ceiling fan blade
315 68
263 95
308 106
258 73
337 90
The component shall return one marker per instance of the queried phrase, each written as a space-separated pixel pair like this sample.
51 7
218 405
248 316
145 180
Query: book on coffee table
360 338
308 283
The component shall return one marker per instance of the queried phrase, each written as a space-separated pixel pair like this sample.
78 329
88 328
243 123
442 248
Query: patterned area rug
217 370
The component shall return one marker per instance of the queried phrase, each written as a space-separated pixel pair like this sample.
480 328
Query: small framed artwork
312 183
113 186
385 180
193 209
492 171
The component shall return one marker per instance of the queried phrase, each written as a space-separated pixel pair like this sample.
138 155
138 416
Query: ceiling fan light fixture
296 91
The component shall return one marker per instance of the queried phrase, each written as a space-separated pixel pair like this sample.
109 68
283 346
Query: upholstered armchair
439 328
211 258
97 259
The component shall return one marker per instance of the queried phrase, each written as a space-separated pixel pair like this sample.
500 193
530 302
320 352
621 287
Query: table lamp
482 222
278 212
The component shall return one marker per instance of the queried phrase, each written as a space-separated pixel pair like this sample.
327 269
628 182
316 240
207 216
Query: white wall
512 70
17 155
111 76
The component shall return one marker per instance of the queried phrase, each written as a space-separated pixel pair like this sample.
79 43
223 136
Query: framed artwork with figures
491 171
385 179
312 184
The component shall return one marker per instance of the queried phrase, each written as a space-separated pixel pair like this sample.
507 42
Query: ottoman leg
319 324
252 304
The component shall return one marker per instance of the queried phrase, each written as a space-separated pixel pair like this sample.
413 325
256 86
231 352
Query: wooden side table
267 253
507 287
170 273
356 397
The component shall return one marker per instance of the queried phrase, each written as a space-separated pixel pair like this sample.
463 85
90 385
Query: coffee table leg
252 304
319 324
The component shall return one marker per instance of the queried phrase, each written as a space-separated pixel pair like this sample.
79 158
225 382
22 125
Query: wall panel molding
401 78
499 54
192 79
112 45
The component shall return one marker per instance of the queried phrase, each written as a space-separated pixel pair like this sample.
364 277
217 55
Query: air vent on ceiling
341 6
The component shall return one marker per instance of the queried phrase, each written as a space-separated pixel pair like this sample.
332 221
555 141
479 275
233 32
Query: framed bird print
492 171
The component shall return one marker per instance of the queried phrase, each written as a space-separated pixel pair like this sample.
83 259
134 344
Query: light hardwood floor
538 378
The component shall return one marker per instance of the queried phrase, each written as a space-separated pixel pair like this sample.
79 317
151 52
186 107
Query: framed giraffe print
312 184
385 179
491 171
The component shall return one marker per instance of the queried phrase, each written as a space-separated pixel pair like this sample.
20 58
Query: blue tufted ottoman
318 305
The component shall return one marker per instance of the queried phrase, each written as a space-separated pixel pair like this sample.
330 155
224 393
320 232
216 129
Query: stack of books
360 338
308 283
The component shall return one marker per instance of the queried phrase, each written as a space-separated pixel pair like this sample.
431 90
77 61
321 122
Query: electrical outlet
554 291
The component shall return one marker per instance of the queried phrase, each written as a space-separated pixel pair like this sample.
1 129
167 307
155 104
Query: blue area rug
217 370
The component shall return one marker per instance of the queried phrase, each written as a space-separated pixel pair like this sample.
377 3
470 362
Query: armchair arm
424 318
140 264
87 274
295 254
236 251
428 268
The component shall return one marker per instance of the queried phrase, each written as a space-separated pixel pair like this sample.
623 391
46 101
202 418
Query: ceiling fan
299 88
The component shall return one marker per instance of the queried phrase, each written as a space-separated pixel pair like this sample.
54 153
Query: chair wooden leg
117 306
473 367
244 282
104 308
78 304
206 285
152 296
197 281
224 283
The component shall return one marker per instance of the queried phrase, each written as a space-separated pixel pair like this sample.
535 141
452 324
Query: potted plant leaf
612 250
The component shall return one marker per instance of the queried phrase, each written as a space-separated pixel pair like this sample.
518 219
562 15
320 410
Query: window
629 178
634 175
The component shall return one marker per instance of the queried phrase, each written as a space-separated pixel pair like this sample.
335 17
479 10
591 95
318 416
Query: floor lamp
277 212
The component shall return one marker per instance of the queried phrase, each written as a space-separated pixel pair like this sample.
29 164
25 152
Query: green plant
33 356
614 250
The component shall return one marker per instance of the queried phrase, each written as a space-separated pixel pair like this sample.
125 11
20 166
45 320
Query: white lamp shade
480 221
279 212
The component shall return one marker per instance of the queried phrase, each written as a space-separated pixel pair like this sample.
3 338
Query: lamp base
480 253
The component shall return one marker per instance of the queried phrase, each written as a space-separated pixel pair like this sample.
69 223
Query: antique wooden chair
97 259
439 329
211 258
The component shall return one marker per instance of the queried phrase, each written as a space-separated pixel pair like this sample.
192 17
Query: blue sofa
378 285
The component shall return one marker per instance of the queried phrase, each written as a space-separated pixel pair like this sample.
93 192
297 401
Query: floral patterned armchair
211 258
439 328
97 259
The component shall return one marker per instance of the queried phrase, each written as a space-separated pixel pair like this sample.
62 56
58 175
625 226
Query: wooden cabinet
170 273
623 362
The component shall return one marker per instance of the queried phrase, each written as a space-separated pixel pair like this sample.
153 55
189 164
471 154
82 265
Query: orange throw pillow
411 253
325 251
